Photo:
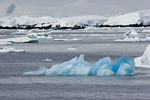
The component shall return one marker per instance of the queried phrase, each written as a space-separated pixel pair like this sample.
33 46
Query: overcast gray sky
60 8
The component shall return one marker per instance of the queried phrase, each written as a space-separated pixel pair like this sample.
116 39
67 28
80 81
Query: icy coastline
135 19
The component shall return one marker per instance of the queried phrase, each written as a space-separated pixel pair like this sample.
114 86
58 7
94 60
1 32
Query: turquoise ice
40 71
76 66
124 66
79 67
95 68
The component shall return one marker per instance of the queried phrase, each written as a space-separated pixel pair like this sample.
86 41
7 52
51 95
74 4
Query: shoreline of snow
134 19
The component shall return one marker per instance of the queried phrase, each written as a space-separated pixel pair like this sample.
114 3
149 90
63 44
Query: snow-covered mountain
139 18
89 20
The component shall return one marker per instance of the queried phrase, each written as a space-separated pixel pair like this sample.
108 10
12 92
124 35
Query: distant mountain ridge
135 19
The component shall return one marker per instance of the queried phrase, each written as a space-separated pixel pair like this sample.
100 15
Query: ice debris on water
133 36
9 50
47 60
131 33
19 40
79 67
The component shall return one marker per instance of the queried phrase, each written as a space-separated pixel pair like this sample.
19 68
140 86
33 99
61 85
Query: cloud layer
59 8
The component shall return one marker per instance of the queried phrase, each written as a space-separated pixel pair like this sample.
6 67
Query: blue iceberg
76 66
40 71
79 67
124 66
105 70
94 69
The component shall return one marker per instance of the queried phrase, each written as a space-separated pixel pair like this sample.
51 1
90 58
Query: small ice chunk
20 40
9 50
124 61
38 35
47 60
72 49
133 39
5 43
40 71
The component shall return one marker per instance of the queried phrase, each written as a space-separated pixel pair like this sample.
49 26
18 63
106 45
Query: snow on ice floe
144 60
79 67
19 40
135 18
9 50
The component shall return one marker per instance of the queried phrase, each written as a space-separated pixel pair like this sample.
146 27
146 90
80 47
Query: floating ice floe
9 50
5 43
80 67
146 31
72 49
131 33
19 40
38 35
133 39
61 39
47 60
133 36
144 60
20 32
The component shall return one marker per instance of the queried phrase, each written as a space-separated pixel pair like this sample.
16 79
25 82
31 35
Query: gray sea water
14 86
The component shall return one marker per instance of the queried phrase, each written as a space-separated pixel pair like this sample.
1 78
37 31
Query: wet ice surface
14 86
